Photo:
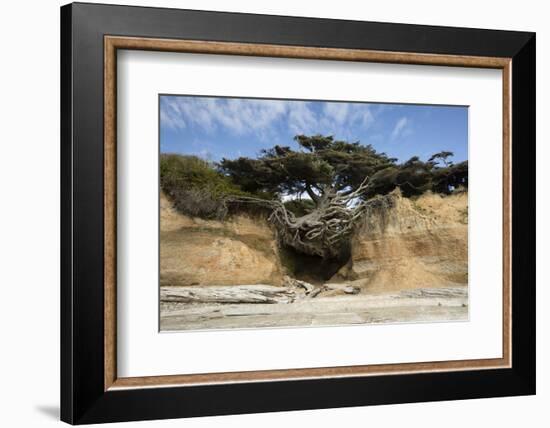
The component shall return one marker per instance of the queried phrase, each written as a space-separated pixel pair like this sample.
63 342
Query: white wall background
29 213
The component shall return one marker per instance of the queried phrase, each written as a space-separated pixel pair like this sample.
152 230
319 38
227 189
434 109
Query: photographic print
296 213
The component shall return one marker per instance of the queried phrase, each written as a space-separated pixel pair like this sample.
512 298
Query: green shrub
191 172
194 186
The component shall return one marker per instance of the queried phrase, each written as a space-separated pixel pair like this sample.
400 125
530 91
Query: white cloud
401 128
245 116
342 119
301 118
364 115
238 116
263 117
171 115
338 112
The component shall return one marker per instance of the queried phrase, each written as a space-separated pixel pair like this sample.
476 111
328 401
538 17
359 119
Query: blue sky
214 127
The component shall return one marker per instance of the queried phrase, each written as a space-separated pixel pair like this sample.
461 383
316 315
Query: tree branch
311 193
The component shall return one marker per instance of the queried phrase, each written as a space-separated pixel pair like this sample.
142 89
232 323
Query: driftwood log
256 293
422 305
313 290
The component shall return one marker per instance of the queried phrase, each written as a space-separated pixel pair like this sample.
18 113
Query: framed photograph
266 213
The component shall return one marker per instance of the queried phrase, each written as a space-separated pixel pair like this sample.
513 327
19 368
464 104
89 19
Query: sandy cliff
208 252
417 243
421 242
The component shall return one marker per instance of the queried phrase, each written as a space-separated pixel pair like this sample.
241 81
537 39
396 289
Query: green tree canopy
324 164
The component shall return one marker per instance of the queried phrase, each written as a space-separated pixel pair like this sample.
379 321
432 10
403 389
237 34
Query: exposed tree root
327 228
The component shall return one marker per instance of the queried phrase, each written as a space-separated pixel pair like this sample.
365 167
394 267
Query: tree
332 175
441 157
315 196
447 179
